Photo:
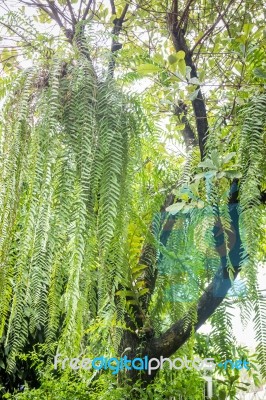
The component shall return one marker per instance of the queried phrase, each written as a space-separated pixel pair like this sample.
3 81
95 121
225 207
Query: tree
100 226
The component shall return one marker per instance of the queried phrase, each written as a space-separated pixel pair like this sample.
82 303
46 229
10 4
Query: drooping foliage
84 175
66 158
67 169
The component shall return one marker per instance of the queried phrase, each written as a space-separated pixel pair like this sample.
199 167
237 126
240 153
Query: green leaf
146 69
174 208
221 174
172 59
193 95
194 187
158 58
138 268
182 67
143 291
139 284
207 164
210 174
132 302
215 158
247 28
180 55
199 176
231 276
194 81
125 293
27 311
260 73
188 72
228 157
233 174
222 394
201 75
200 204
43 17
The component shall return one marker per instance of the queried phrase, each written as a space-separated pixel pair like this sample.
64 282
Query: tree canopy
132 183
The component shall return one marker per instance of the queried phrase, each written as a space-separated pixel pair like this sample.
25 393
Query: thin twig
209 31
122 17
118 23
18 34
222 18
74 21
55 11
87 9
80 7
44 7
175 8
7 8
185 13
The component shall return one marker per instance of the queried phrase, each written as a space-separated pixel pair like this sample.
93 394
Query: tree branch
115 46
55 14
40 5
180 110
122 17
209 31
80 7
63 14
112 3
19 35
179 41
184 17
46 7
87 9
73 18
222 18
52 11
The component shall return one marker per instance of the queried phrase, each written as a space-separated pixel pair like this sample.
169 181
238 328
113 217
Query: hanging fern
260 328
252 150
64 189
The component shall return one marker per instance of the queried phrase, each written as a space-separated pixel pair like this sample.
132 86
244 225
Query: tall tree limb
115 46
71 11
55 14
178 36
87 9
113 8
188 134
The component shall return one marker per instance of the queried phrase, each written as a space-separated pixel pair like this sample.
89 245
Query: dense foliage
132 187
